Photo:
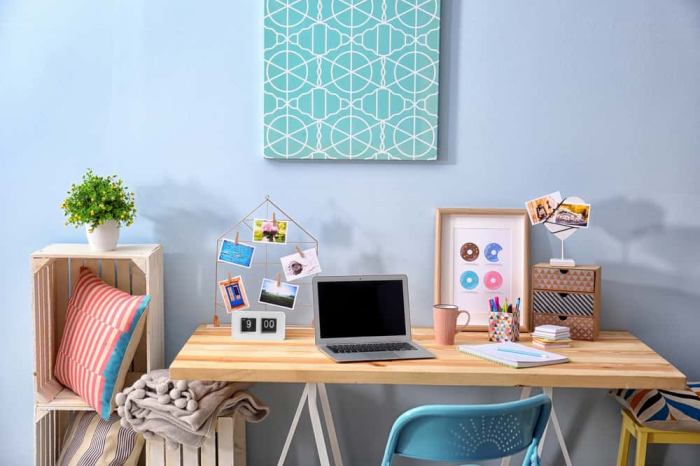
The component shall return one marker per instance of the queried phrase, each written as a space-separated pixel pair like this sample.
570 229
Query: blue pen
517 304
526 353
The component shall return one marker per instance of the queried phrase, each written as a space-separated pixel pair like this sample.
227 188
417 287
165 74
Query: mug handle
469 317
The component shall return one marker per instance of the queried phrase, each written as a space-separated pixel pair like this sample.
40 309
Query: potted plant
102 204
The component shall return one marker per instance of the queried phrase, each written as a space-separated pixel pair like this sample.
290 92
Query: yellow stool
645 435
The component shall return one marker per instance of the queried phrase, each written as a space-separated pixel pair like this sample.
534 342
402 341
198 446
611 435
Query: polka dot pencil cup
504 326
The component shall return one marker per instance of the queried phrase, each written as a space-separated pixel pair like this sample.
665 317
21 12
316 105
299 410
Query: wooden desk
615 360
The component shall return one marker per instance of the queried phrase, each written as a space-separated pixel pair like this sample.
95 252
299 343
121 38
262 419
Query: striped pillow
663 409
103 328
92 441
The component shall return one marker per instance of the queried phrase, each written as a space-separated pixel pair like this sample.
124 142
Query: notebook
514 354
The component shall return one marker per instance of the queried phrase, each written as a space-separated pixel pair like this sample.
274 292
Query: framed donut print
481 254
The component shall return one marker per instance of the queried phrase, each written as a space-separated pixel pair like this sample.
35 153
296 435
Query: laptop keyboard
371 347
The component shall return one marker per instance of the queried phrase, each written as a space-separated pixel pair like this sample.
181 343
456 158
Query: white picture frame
460 269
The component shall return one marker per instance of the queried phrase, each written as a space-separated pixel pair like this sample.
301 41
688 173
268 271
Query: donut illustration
493 280
491 252
469 280
469 252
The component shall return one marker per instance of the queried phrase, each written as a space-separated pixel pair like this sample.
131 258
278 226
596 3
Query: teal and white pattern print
351 79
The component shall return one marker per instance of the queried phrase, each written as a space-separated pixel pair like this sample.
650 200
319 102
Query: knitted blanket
183 412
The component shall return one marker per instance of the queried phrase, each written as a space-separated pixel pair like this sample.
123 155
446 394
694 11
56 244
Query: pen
517 304
497 304
526 353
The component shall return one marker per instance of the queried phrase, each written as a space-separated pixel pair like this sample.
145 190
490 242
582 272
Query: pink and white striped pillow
102 330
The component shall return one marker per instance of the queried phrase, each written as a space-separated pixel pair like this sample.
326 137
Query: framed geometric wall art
351 79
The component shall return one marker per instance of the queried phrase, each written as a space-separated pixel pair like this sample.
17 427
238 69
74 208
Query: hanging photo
570 214
238 254
270 231
278 293
302 265
541 208
233 294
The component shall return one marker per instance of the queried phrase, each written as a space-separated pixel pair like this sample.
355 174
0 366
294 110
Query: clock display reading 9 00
258 325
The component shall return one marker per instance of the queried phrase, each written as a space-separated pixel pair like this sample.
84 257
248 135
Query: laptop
364 318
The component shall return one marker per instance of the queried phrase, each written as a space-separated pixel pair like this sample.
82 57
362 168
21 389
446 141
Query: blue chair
470 432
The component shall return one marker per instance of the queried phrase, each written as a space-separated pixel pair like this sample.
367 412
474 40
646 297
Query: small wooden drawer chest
568 296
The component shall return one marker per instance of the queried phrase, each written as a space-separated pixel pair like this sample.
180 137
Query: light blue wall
598 99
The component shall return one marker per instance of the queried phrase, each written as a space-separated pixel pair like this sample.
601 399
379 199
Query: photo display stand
265 263
562 232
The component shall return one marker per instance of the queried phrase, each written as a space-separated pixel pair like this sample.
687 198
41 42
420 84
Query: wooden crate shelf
135 269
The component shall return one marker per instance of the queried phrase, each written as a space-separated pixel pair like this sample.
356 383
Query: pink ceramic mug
445 323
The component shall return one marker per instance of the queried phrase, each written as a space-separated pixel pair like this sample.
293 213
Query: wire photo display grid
351 79
266 262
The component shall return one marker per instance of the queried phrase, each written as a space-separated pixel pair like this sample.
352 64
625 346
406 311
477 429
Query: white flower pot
104 237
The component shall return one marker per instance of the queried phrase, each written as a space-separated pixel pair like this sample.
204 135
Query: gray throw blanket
183 411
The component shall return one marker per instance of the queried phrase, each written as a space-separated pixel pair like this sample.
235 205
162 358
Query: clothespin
215 321
299 251
238 234
278 277
274 219
229 276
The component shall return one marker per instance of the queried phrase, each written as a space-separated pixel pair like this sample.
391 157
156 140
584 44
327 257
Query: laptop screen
365 308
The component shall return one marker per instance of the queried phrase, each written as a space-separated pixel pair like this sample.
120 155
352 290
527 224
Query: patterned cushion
663 409
92 441
103 328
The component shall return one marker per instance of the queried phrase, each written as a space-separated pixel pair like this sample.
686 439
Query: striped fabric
576 304
101 322
91 440
663 409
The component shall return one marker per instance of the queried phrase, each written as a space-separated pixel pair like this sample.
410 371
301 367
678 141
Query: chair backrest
468 432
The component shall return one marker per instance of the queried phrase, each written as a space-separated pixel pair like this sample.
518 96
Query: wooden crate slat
190 456
208 451
61 292
74 266
155 449
172 456
239 441
224 440
138 287
124 275
108 273
156 318
93 265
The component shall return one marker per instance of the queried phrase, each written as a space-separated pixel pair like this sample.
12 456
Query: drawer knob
563 271
563 317
563 295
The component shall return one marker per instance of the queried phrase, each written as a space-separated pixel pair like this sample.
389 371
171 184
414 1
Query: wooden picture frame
456 265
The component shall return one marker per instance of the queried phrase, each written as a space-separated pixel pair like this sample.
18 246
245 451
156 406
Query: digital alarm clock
258 325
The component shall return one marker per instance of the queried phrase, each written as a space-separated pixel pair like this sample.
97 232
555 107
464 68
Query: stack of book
551 336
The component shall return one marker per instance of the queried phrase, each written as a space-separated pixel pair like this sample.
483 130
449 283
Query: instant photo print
233 294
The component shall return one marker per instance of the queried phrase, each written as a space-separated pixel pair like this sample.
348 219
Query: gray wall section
598 99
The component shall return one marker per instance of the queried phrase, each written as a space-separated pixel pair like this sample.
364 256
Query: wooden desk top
615 360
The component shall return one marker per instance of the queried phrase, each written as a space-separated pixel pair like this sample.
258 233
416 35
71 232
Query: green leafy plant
99 199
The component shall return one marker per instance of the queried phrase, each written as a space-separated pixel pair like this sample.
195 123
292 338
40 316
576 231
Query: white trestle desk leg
316 425
330 425
525 393
312 392
293 427
549 391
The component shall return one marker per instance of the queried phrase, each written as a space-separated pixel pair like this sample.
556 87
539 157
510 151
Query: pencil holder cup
504 326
